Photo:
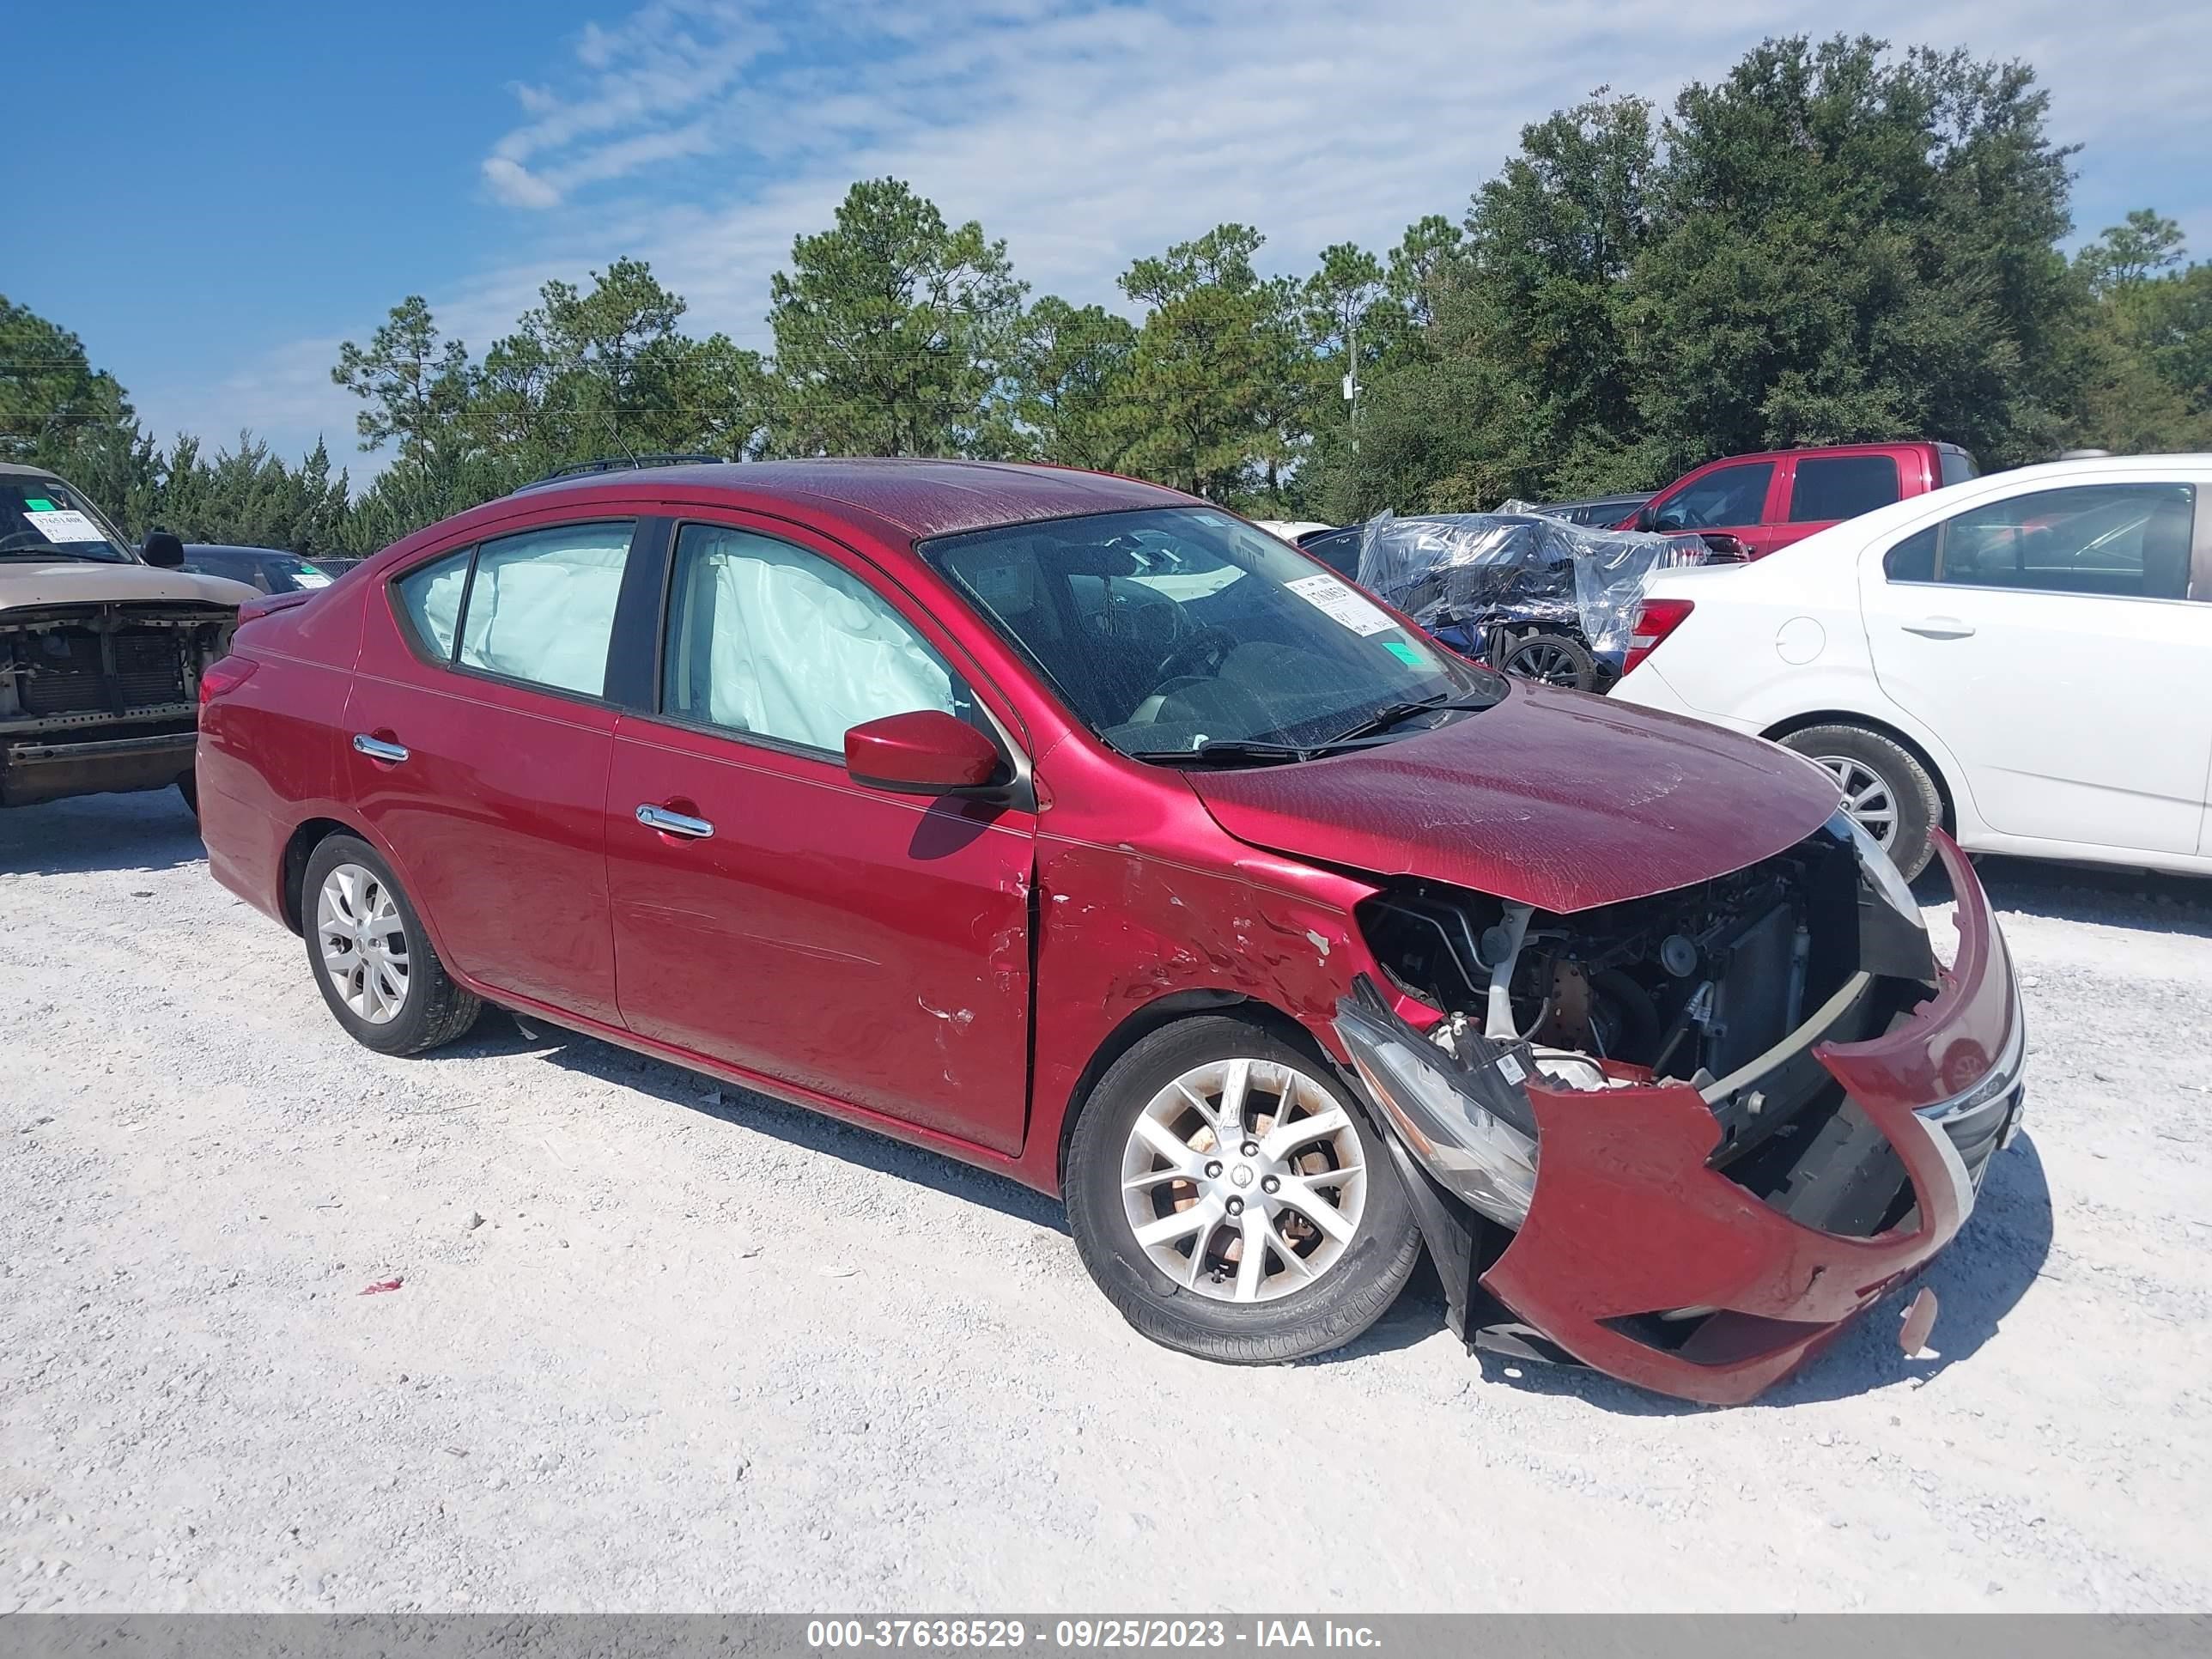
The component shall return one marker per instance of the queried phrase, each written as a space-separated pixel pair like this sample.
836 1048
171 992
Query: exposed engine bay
102 697
1725 986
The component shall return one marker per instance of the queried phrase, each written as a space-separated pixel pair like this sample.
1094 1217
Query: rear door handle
378 748
1940 627
674 823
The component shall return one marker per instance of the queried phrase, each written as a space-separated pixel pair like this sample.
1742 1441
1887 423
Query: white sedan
2025 659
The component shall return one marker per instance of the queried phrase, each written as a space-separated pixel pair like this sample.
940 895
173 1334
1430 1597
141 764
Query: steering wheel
1208 649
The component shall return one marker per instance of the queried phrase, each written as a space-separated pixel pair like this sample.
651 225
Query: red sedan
1074 828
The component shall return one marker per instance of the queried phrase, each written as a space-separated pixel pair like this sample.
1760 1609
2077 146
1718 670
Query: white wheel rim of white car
1244 1180
363 941
1868 797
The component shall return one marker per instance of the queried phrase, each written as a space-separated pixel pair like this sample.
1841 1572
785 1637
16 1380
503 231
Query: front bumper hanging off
1630 1252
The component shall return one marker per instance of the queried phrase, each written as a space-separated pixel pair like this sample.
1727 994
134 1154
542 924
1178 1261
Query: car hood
1552 798
84 581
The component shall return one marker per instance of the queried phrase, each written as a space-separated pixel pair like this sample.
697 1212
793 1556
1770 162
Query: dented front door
868 946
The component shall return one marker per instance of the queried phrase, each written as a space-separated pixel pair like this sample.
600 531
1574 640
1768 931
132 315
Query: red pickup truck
1783 495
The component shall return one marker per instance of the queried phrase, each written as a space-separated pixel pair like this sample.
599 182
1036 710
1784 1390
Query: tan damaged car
100 648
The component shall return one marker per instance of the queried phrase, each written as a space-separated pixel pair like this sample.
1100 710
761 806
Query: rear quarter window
1831 487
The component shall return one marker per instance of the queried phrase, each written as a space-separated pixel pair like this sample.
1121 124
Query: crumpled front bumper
1641 1259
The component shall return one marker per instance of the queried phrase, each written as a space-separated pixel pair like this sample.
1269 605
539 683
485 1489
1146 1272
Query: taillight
1655 620
223 676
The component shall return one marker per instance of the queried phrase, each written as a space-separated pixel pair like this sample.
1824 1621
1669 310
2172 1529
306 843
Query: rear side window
1732 495
1831 487
541 606
2123 541
1957 466
431 594
1338 550
770 639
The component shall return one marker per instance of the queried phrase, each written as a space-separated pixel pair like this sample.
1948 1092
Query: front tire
1231 1199
372 958
1886 789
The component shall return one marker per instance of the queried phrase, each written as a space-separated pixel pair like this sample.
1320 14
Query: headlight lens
1881 873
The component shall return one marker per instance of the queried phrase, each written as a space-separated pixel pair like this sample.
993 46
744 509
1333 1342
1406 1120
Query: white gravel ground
704 1352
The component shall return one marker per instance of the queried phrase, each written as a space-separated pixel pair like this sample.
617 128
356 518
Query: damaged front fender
1638 1246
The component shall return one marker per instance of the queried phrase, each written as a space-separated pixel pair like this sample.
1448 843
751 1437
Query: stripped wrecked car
1072 827
101 647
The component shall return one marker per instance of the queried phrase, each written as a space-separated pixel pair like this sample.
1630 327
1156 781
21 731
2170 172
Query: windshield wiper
1225 749
1385 718
1254 749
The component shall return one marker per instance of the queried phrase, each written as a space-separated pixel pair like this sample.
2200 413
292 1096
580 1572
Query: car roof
24 469
1883 448
912 498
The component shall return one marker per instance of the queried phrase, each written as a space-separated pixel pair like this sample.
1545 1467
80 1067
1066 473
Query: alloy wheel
1542 659
364 942
1868 798
1244 1180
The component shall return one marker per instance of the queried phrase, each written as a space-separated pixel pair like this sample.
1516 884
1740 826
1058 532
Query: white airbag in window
801 652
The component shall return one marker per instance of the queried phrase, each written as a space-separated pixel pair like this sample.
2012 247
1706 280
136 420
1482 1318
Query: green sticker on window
1409 654
37 504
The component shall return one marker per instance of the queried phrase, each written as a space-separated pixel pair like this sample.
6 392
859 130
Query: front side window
770 639
2127 541
541 606
1732 495
1831 486
1167 630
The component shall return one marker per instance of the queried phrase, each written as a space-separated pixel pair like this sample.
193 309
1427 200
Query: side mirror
1645 518
928 753
1724 549
163 550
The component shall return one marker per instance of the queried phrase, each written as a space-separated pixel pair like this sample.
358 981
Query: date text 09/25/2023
1110 1634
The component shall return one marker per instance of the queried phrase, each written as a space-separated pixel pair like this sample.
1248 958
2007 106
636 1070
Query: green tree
2147 245
56 409
892 330
1065 382
416 385
1218 369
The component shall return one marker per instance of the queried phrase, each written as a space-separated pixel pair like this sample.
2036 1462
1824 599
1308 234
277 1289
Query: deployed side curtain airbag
797 649
542 607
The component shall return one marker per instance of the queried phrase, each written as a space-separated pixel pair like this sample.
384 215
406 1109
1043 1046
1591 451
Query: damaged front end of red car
1684 1140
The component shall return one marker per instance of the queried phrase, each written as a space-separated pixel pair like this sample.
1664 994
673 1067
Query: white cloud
704 135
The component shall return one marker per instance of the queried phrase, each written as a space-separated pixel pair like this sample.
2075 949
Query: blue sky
267 180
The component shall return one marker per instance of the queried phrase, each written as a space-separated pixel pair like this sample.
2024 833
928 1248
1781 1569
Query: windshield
45 519
1171 630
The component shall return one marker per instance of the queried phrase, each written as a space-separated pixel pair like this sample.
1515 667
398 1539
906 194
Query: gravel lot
706 1352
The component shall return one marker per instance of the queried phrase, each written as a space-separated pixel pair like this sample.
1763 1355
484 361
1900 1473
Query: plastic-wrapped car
1527 592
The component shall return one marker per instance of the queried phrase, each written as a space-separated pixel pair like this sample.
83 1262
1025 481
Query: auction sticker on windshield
1342 604
64 525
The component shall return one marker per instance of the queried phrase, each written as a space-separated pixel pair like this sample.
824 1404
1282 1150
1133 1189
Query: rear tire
1885 787
371 957
1555 659
189 786
1207 1306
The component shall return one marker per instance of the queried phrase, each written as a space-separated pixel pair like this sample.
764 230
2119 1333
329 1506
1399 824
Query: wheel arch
299 848
1157 1015
1902 739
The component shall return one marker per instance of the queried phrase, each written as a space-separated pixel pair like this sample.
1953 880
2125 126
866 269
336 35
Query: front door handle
378 748
674 823
1940 627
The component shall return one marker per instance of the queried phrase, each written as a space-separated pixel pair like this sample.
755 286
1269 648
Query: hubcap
1243 1181
364 942
1868 797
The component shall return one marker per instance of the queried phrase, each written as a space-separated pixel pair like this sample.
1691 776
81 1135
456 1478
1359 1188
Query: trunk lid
1552 798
